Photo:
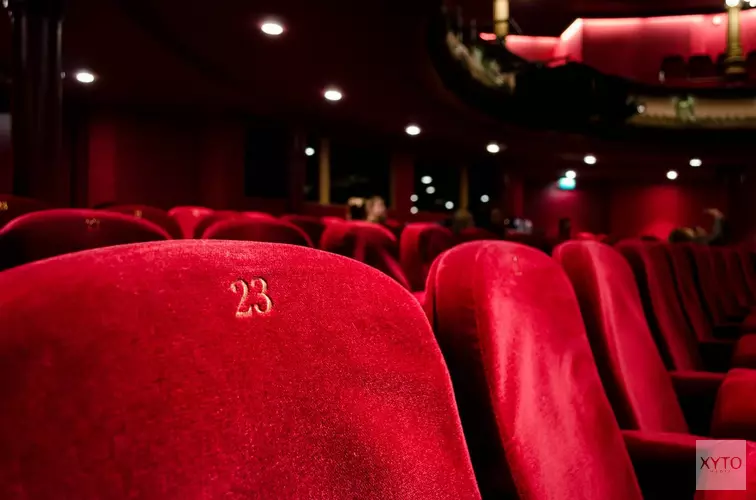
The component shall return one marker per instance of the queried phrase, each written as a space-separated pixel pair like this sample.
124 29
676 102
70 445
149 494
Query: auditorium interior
398 250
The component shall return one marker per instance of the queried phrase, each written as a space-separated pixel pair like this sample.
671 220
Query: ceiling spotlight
566 183
671 175
641 108
333 95
426 179
752 3
430 190
695 162
413 210
589 160
413 198
732 3
271 28
309 151
84 76
493 148
570 174
412 130
484 198
449 205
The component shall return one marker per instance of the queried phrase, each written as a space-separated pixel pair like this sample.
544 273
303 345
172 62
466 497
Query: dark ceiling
202 57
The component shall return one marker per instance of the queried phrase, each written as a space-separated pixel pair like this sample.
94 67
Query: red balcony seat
701 66
14 206
313 226
261 215
152 214
258 229
210 369
673 68
39 235
419 245
188 217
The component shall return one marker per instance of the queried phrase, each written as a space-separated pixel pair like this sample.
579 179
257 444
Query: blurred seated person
462 219
699 235
356 209
375 208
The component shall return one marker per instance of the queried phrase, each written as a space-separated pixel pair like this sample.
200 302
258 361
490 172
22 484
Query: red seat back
728 271
675 339
687 289
715 301
213 369
221 215
40 235
529 395
419 245
313 226
152 214
14 206
258 229
188 218
633 373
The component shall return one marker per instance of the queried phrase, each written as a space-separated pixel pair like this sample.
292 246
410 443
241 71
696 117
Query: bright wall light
672 175
332 94
271 28
695 162
309 151
732 3
589 160
570 174
413 198
84 76
484 198
566 183
413 210
449 205
716 20
426 179
493 148
412 130
430 190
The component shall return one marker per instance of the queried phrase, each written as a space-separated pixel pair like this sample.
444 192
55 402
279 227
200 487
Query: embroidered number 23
254 297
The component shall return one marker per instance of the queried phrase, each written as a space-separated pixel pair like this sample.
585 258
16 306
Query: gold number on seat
245 309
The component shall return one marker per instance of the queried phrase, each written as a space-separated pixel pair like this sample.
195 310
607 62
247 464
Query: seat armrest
734 415
716 354
697 393
664 463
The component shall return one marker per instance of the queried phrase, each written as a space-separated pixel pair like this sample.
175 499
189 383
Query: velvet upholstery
152 214
687 288
221 215
419 245
258 229
631 368
188 218
749 274
728 265
14 206
39 235
169 384
534 413
366 242
719 303
313 226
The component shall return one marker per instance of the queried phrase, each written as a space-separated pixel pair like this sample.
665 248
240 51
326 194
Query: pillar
501 18
36 98
464 188
324 170
734 62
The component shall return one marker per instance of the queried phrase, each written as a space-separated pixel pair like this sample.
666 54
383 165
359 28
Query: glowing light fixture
493 148
413 210
484 198
589 160
672 175
332 94
566 183
309 151
412 130
641 108
430 190
488 37
732 3
570 174
695 162
426 179
716 20
84 76
413 198
449 205
271 28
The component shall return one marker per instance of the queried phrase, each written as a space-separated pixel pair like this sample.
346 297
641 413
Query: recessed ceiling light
695 162
449 205
333 95
413 197
671 175
570 174
426 179
271 28
83 76
413 210
589 160
430 190
309 151
566 183
412 130
484 198
732 3
493 148
641 108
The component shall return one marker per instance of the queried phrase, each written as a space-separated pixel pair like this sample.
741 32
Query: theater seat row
222 369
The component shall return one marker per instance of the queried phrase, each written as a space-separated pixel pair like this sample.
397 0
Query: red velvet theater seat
313 226
152 214
228 370
366 242
40 235
14 206
673 68
419 245
533 408
217 216
188 218
701 66
719 301
258 229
